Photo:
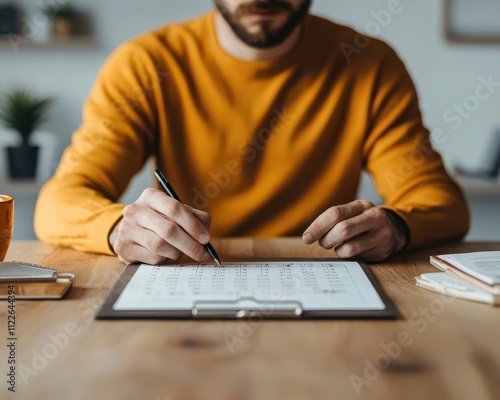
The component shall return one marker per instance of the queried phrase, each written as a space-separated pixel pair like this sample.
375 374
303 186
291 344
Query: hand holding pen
156 229
171 192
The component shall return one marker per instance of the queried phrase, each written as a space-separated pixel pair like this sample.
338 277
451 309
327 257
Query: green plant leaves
23 111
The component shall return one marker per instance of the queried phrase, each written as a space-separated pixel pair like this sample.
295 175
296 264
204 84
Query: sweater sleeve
408 173
78 206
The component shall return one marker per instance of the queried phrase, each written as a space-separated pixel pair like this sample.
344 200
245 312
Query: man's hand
358 229
157 228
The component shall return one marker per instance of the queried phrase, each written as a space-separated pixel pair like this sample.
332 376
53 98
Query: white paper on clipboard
312 285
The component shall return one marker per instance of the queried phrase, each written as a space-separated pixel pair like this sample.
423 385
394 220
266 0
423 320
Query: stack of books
470 276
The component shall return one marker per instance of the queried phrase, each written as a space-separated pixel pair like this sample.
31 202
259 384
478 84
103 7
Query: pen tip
218 262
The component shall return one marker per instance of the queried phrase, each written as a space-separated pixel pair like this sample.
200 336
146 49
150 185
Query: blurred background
450 47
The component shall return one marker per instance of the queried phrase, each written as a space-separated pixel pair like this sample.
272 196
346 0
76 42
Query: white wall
445 74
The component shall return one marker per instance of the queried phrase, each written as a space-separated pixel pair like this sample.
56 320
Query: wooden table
440 348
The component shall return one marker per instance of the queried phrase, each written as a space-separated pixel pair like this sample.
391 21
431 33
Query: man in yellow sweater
263 122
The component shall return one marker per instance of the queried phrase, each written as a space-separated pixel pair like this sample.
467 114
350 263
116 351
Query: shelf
70 43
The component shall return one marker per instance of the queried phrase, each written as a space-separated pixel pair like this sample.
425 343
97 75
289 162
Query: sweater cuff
102 229
403 223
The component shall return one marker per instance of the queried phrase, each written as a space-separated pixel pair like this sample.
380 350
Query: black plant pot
22 161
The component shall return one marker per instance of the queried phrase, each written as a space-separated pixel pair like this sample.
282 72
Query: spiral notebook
32 281
14 271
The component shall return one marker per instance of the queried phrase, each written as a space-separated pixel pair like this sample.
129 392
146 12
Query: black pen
171 192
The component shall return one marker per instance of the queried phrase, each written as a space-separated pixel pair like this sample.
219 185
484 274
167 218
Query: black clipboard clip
247 308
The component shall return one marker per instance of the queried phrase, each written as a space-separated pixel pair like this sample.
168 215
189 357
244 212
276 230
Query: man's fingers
356 246
347 229
203 216
179 213
372 246
165 231
331 217
358 229
137 253
170 232
379 252
137 242
157 228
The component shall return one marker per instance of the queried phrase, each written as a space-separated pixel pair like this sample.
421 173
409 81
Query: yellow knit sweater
264 147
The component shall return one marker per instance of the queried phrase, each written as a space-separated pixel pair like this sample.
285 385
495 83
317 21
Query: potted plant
62 16
23 111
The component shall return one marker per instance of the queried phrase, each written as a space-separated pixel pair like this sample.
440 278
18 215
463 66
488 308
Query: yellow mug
6 223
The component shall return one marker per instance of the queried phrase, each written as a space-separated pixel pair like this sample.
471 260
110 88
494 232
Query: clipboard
245 307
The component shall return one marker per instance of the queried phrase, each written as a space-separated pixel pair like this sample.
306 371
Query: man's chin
273 21
264 28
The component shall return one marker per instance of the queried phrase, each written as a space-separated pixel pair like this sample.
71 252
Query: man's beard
268 37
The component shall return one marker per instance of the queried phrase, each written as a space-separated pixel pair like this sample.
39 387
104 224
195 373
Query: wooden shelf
78 42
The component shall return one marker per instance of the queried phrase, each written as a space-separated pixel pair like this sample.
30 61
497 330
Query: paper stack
472 276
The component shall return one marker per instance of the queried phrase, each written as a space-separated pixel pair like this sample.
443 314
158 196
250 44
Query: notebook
11 271
481 269
273 289
32 281
444 283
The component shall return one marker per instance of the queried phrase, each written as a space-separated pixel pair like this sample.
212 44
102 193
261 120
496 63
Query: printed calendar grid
246 280
315 284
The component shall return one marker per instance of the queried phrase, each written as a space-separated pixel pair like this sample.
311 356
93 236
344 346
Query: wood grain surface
439 348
